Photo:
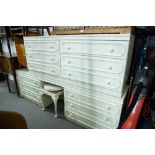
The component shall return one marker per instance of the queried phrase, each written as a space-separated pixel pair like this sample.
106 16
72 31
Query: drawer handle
69 74
29 46
71 95
69 62
108 83
30 56
52 71
71 105
108 108
52 59
51 47
110 68
71 115
69 48
112 51
106 119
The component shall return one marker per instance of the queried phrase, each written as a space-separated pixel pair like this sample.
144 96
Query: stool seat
50 87
55 92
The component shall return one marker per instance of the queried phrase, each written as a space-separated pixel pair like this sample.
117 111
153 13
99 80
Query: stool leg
44 107
55 100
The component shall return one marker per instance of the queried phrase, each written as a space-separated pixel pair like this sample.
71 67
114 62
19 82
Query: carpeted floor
35 117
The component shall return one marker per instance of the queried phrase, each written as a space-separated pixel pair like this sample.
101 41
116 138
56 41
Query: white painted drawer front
109 106
28 81
82 120
100 115
34 84
115 49
92 78
29 95
29 88
26 76
47 46
49 69
110 66
88 120
44 58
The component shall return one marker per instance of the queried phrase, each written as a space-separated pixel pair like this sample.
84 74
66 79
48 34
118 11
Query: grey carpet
35 117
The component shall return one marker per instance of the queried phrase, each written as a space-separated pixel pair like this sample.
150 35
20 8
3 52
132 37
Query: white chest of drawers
30 87
93 70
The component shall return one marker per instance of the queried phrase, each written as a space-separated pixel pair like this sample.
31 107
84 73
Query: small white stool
54 92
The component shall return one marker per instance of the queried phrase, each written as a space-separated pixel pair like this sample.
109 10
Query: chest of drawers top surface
125 37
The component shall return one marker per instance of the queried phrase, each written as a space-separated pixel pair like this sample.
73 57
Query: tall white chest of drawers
92 69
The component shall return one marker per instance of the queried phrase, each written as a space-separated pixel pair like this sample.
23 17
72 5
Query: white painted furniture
54 92
92 69
30 86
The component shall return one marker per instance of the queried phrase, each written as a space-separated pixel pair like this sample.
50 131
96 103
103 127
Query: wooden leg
7 80
16 84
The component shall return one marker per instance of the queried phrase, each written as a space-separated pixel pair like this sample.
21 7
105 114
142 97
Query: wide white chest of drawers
92 69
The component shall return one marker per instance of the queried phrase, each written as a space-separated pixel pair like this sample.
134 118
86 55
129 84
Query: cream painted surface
44 68
47 46
29 87
109 66
92 78
53 59
92 69
113 49
107 105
